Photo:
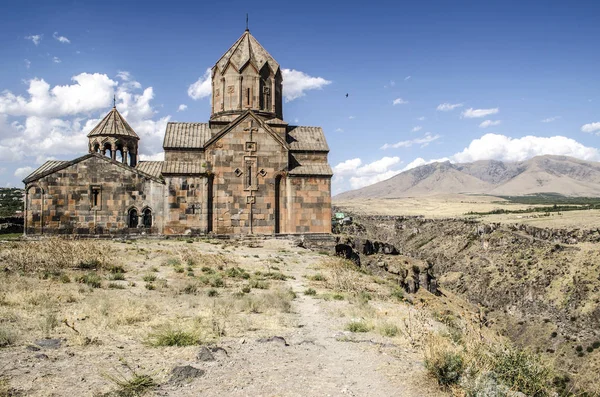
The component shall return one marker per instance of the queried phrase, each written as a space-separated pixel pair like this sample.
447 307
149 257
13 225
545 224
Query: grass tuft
357 326
169 336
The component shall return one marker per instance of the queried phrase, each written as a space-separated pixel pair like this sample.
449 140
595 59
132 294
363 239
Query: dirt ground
105 333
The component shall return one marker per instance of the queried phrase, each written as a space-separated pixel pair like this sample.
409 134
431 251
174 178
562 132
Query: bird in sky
346 95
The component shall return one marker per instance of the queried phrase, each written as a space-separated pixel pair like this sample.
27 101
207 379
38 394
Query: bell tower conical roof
113 124
114 135
247 49
245 78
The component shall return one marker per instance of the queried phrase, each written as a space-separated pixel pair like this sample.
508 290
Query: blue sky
428 80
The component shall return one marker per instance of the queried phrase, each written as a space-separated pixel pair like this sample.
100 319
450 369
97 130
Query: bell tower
246 77
114 137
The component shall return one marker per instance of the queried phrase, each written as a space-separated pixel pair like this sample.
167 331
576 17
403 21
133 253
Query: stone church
246 171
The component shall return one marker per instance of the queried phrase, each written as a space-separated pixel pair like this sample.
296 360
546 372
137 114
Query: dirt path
315 360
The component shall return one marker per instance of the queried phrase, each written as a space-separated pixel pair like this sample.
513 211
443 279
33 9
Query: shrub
117 269
443 361
89 264
389 330
398 294
217 282
212 293
338 297
357 326
246 289
589 349
258 284
522 371
178 269
116 276
149 278
115 286
310 291
137 385
168 336
65 279
7 337
317 277
173 262
579 348
190 289
150 286
275 276
596 344
208 270
91 279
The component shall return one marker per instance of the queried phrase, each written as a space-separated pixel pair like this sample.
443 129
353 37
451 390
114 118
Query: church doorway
277 204
147 218
133 218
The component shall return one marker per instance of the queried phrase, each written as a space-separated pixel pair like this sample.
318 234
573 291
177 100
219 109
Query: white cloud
399 101
27 63
489 123
421 118
296 83
23 172
90 92
357 174
501 147
52 122
339 130
182 108
56 60
416 128
62 39
446 107
351 118
426 140
35 38
591 127
550 119
202 87
123 75
477 113
407 78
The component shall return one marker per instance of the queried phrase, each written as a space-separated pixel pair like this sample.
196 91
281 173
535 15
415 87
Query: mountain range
542 174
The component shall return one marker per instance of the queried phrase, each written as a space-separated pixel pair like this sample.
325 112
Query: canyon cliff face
540 287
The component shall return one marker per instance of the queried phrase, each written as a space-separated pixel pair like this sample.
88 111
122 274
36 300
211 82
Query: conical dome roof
113 124
247 49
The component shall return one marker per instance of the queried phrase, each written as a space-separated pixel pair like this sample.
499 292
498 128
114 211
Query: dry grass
53 255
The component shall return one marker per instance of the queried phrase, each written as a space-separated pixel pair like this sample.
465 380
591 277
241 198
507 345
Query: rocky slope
543 174
540 287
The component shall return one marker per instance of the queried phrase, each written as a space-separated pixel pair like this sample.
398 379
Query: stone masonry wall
61 203
309 203
237 159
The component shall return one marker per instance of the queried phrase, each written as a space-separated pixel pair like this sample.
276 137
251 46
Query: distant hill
563 175
11 201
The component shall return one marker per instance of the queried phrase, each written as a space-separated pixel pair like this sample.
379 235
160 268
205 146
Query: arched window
133 218
147 218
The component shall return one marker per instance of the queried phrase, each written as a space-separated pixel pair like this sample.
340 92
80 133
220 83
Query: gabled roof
306 139
153 168
186 135
113 124
242 117
312 169
183 167
47 169
246 49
